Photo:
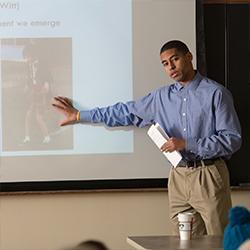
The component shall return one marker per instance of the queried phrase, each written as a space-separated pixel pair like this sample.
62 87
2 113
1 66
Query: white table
173 242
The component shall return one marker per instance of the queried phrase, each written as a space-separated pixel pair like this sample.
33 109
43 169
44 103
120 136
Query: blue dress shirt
201 112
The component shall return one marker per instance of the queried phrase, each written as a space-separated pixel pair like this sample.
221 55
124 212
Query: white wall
55 221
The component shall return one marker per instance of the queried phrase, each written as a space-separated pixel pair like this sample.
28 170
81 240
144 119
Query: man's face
177 65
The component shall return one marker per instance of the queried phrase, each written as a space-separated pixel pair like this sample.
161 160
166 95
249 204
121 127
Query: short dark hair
175 44
95 244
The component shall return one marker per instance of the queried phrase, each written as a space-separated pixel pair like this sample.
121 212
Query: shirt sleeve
227 137
138 113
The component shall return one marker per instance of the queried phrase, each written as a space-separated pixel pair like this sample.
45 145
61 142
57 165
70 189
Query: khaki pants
204 190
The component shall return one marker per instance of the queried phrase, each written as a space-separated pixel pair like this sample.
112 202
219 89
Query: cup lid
185 216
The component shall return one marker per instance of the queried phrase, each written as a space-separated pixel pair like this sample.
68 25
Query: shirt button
183 114
184 99
184 129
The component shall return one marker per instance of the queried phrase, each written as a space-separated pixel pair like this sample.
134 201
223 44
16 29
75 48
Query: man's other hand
173 144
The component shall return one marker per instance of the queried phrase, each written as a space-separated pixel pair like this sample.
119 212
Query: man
200 118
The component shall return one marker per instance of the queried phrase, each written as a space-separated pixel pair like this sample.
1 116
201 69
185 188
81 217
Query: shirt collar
193 84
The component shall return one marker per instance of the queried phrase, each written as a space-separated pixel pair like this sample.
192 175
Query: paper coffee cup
185 225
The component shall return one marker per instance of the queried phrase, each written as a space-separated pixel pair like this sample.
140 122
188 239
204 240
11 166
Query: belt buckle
191 164
194 165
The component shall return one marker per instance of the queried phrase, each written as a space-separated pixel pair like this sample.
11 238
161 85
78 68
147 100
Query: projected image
83 52
29 79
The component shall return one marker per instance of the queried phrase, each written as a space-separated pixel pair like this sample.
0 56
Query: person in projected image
199 115
37 89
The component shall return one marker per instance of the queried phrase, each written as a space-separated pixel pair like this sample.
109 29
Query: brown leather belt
198 163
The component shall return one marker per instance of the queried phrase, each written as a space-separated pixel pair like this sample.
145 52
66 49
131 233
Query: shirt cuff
85 116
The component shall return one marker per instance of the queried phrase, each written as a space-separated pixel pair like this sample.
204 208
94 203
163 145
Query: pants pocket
208 183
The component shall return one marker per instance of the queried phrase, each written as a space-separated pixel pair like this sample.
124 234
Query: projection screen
97 52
